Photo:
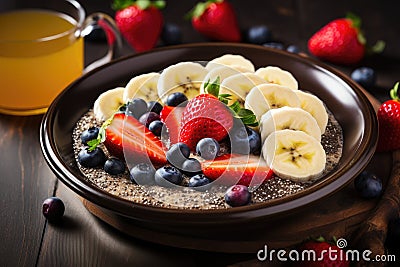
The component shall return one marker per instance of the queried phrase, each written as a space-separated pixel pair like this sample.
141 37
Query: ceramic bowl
343 97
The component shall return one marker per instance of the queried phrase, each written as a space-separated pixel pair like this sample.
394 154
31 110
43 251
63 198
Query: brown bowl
196 228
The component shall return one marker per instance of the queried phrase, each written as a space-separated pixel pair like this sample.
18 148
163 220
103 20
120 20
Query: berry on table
275 45
364 76
89 134
368 185
171 34
166 175
91 158
114 166
53 209
142 174
237 195
207 148
293 49
258 34
175 99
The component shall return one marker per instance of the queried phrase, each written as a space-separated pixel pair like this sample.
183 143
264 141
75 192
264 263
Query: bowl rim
363 153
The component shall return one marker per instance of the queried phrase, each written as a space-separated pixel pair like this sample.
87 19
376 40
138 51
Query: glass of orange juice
42 51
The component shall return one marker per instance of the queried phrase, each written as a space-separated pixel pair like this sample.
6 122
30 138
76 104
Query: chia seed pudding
188 198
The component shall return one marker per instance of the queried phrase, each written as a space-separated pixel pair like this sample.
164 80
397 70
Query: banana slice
237 61
264 97
315 107
185 77
222 72
289 118
239 85
142 86
294 155
108 103
273 74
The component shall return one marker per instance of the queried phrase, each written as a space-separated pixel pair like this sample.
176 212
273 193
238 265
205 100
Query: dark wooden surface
82 240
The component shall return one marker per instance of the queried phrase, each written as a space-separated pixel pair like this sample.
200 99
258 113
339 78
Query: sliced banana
237 61
264 97
273 74
315 107
185 77
294 155
222 72
142 86
239 85
296 119
108 103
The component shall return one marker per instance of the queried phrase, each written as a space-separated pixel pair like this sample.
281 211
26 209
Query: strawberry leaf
394 92
356 20
121 4
199 9
212 88
143 4
378 47
101 137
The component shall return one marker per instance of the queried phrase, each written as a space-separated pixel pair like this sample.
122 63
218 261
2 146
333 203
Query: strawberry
126 136
171 117
216 19
340 41
326 254
389 123
204 116
237 169
140 22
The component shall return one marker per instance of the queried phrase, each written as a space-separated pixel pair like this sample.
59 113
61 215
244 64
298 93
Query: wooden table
83 240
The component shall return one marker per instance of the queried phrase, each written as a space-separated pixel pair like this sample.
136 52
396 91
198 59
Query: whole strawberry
216 20
140 22
326 254
340 41
389 123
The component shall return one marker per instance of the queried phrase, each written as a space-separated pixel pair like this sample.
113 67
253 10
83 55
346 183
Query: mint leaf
101 137
212 88
235 107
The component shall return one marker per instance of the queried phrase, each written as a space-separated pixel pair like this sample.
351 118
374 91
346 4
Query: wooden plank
83 240
25 182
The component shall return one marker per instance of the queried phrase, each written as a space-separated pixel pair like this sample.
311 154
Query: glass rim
75 30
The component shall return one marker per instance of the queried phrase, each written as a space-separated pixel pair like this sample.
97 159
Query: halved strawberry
171 117
232 169
127 138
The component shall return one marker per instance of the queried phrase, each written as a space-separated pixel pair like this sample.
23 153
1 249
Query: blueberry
148 118
364 76
89 134
275 45
245 140
154 106
53 209
171 34
166 175
91 159
237 195
156 127
368 185
259 34
175 99
136 108
142 174
114 166
177 154
207 148
191 167
293 49
200 181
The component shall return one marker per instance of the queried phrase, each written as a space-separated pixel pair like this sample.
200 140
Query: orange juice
39 56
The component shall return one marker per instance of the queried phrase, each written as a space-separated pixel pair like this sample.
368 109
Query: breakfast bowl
216 229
